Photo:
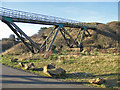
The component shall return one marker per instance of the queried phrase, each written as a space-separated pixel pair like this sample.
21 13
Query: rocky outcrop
29 66
98 81
52 71
20 64
58 72
48 67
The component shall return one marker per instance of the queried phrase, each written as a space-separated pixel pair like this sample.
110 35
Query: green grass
79 68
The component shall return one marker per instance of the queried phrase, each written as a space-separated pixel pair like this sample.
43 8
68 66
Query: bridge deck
27 17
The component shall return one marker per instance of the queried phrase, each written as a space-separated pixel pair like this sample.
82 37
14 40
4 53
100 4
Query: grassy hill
98 59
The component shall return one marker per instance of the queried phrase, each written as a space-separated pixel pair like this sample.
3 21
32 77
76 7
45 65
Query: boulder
98 81
54 72
20 64
2 55
49 66
12 37
26 67
57 72
29 66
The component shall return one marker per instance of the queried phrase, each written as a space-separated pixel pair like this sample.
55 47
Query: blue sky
102 12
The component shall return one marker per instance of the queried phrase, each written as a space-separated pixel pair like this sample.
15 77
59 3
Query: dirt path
13 78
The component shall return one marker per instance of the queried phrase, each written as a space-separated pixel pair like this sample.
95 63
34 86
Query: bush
12 37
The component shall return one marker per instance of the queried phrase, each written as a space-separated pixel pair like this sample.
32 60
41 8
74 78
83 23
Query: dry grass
79 68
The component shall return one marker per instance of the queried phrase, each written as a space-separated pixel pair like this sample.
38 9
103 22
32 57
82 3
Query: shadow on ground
109 82
38 69
34 80
80 75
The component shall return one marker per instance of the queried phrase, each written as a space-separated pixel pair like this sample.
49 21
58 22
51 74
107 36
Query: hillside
104 37
98 59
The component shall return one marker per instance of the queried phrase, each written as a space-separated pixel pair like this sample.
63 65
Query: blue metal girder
8 19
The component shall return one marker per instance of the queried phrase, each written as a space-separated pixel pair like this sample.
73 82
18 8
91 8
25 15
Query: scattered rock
98 81
58 61
86 52
92 62
57 72
49 66
21 64
14 60
62 58
52 71
1 55
26 66
29 66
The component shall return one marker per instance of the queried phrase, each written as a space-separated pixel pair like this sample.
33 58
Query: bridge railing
32 16
38 17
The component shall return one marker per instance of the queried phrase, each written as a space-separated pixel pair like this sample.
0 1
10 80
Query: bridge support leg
48 37
53 39
63 34
20 35
70 37
81 46
60 28
78 35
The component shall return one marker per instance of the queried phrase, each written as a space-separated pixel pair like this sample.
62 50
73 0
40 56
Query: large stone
29 66
2 55
98 81
20 64
26 67
49 66
54 72
57 72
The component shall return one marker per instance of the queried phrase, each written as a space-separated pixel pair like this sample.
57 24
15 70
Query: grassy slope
80 67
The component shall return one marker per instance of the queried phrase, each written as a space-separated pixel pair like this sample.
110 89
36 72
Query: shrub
12 37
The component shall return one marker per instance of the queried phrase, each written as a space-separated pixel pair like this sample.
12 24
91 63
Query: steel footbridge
9 16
